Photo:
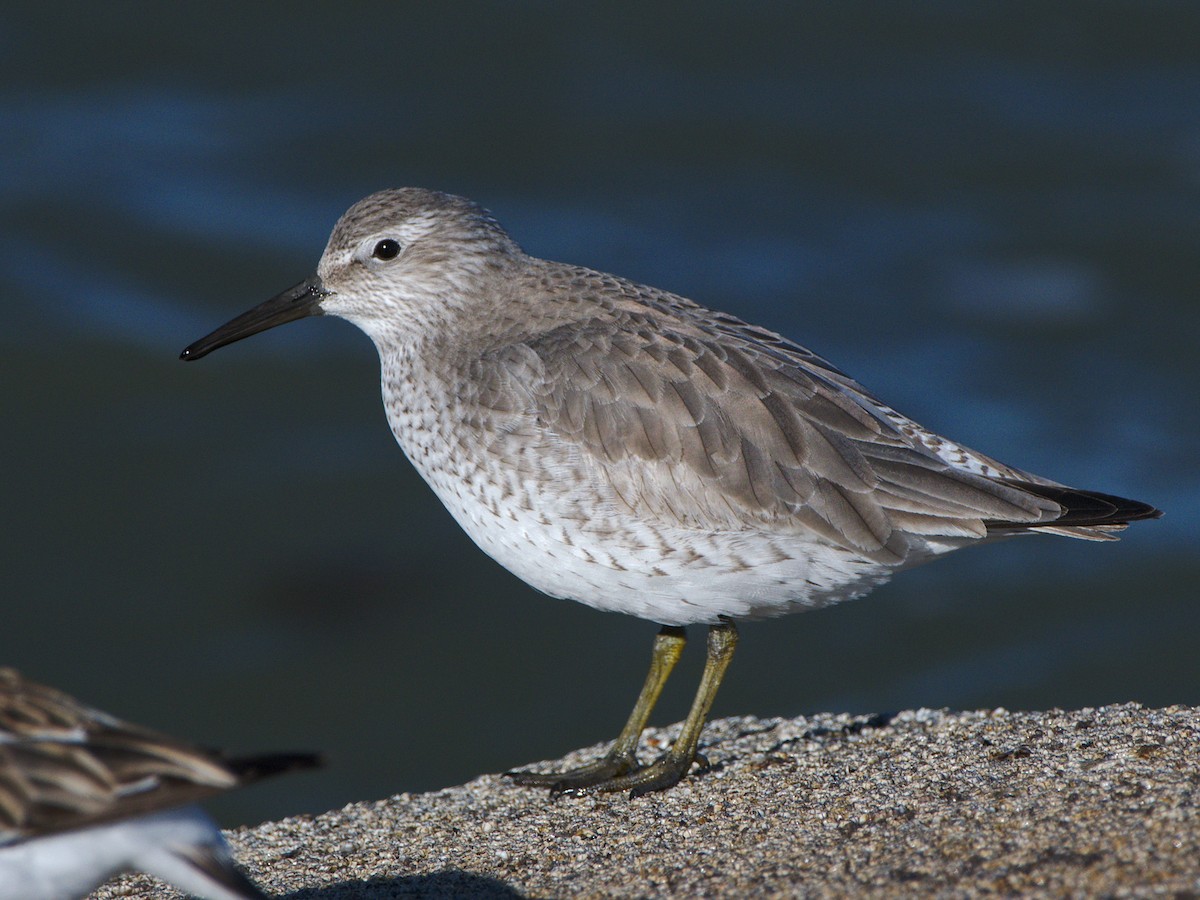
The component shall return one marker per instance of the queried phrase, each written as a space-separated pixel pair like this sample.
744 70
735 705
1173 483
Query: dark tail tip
1090 507
267 765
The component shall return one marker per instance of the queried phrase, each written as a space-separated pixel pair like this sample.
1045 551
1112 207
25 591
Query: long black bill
295 303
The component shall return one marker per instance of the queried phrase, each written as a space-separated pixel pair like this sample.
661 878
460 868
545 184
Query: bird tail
1088 515
253 768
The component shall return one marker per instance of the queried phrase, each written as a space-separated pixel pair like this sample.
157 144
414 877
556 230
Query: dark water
988 213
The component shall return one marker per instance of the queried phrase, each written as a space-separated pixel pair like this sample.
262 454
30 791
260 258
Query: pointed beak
295 303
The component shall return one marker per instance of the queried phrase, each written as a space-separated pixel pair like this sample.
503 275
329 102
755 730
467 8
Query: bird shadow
451 883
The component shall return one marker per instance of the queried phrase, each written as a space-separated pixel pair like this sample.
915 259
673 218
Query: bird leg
622 756
618 770
674 764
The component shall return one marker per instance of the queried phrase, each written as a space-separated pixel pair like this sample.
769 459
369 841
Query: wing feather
65 765
732 427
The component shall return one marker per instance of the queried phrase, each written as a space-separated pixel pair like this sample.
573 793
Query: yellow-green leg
674 764
618 770
622 756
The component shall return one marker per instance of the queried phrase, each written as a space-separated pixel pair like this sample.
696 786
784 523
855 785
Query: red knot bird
620 445
85 796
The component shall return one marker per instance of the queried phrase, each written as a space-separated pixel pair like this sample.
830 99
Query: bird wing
64 765
669 400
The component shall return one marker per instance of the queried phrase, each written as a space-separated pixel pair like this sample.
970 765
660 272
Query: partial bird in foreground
85 796
619 445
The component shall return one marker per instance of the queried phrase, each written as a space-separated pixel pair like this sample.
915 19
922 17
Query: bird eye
386 249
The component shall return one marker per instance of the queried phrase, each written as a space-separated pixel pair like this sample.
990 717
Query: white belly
672 576
555 521
572 542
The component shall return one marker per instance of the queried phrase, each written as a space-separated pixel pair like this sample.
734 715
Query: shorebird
85 796
622 446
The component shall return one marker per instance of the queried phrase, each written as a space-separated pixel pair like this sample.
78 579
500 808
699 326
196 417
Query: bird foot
613 773
589 777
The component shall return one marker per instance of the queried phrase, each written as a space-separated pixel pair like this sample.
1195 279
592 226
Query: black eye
386 249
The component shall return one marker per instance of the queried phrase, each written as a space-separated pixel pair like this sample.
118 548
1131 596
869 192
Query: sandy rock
1095 802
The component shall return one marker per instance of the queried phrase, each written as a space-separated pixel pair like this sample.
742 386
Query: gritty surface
1095 802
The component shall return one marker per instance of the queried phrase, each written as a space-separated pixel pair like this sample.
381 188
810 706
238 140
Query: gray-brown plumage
759 433
619 445
85 795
